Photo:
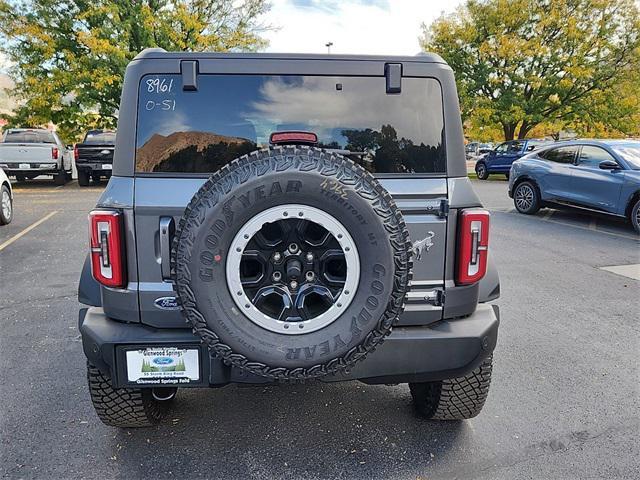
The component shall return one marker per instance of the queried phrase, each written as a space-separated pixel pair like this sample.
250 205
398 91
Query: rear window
535 144
100 138
560 155
29 136
231 115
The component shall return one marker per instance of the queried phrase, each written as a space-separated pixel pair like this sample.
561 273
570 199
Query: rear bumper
13 170
95 167
446 349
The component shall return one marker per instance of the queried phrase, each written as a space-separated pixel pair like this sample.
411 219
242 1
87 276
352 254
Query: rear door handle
167 229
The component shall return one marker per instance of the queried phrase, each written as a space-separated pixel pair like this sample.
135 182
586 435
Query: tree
521 63
69 56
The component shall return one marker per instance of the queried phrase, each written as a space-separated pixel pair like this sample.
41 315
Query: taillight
473 244
54 153
76 152
107 247
284 138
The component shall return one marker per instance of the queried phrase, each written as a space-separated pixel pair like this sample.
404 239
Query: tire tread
122 407
454 399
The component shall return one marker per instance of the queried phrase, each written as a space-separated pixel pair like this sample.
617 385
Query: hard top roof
159 53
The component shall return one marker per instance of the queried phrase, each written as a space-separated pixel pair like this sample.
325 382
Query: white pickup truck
28 152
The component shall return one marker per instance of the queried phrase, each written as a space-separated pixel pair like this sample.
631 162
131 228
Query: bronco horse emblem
420 246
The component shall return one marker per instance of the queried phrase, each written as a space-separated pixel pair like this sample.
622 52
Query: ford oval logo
105 152
167 303
163 361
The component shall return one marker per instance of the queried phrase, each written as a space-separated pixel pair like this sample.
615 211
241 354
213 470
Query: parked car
475 149
598 175
500 159
29 152
6 199
485 148
471 149
229 247
94 156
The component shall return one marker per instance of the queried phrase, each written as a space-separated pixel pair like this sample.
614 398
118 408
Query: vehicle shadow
44 183
592 221
290 431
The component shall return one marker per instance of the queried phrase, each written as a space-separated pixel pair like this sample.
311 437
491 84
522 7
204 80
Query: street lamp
328 45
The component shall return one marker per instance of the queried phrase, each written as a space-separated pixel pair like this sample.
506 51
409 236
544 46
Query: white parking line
619 235
630 271
27 230
547 217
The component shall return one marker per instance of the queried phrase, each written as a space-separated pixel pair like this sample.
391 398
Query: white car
28 152
6 199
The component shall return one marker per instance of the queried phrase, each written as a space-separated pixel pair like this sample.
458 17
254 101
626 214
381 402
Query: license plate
24 166
107 166
163 365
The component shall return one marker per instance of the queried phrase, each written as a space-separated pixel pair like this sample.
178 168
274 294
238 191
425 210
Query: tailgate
188 126
27 153
95 153
424 206
160 202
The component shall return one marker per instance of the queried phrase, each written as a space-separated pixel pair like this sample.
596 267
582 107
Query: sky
386 27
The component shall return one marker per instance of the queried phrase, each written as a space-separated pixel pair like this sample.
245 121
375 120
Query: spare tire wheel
291 263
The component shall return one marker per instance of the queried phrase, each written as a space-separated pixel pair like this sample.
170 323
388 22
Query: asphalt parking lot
564 403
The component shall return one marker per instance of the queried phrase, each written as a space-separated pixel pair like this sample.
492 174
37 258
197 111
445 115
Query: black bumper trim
94 167
31 171
446 349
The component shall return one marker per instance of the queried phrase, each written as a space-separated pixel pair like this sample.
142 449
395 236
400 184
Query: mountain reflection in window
232 115
195 152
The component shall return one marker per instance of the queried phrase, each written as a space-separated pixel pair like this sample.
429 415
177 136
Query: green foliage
69 56
180 367
147 367
520 64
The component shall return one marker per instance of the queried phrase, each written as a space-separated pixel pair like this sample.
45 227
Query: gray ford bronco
287 218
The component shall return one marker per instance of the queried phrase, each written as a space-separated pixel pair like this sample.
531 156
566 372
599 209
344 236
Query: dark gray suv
287 218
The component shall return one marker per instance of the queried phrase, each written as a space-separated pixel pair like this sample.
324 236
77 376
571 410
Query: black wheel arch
88 287
630 204
527 178
8 185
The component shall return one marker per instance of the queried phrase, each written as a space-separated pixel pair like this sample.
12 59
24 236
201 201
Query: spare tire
291 263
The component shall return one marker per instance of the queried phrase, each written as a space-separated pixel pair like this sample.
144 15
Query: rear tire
6 206
20 178
95 178
83 178
481 171
526 198
61 178
635 216
124 407
455 399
